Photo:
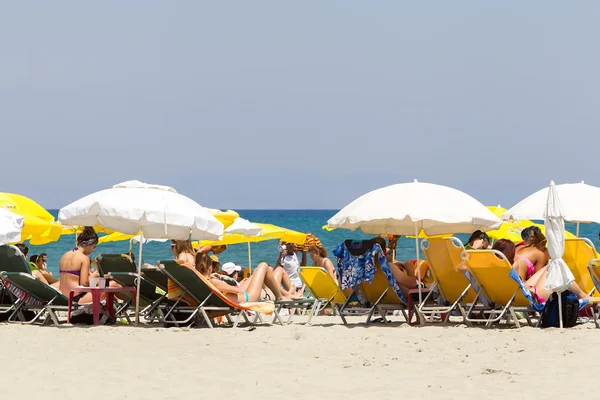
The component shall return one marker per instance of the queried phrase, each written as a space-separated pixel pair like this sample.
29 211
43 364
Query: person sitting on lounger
404 276
216 264
536 281
533 256
183 251
250 289
74 265
319 257
231 273
35 271
478 241
38 261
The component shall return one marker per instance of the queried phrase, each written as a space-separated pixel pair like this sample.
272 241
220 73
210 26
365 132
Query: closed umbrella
10 226
153 211
559 277
412 208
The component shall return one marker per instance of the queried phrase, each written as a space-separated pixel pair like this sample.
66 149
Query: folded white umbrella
409 208
10 226
579 203
559 277
244 227
155 211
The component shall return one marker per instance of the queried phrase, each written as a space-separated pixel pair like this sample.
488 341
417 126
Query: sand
327 360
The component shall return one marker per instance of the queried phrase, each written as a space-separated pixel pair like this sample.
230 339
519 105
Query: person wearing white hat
233 271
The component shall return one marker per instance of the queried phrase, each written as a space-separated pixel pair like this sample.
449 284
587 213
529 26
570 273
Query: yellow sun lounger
324 289
578 254
382 297
491 271
594 270
443 256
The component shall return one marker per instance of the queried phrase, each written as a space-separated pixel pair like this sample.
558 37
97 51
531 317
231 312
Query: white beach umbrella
244 227
139 238
154 211
409 208
559 277
10 226
579 203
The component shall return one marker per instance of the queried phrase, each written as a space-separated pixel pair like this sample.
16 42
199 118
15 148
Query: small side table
96 296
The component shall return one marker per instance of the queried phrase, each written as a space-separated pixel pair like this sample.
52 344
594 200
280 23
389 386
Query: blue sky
272 104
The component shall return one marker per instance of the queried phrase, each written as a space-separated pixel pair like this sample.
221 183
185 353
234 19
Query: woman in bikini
249 290
532 257
74 266
525 263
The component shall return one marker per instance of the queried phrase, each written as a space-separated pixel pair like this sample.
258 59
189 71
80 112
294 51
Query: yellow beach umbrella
39 225
224 217
268 232
511 230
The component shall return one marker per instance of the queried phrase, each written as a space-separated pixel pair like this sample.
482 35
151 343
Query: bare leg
538 281
38 275
405 281
263 275
284 279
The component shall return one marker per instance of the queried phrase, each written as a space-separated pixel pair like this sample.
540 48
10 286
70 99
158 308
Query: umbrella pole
560 319
249 260
577 231
139 281
418 263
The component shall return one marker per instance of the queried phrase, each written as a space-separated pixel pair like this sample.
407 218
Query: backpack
570 310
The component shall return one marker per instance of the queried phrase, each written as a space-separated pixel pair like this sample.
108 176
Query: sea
307 221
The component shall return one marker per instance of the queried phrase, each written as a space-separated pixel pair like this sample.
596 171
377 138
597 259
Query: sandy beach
295 361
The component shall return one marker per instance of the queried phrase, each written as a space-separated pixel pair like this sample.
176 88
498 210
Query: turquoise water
308 221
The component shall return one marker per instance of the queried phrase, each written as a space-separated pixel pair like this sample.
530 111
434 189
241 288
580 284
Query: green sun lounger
123 271
50 300
209 300
11 260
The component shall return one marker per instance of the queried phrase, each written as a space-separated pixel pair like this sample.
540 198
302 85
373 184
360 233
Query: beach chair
13 261
383 299
208 298
325 291
123 271
50 300
453 288
499 284
578 254
594 271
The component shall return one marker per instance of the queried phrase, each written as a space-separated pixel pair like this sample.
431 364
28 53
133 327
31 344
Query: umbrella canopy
155 211
559 276
244 227
578 201
406 208
39 226
227 217
511 230
10 226
268 232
